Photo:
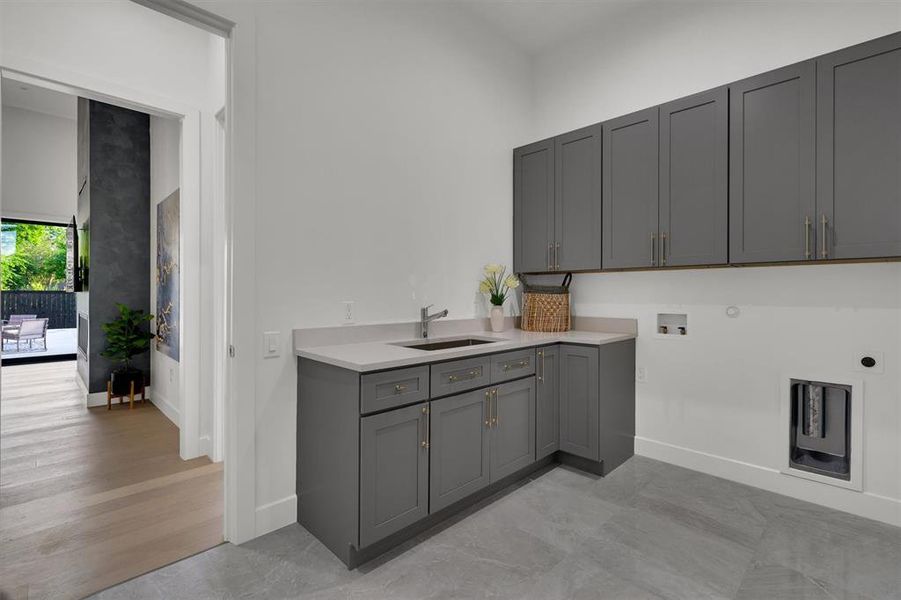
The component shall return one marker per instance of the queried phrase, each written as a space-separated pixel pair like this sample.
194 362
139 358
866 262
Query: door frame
239 517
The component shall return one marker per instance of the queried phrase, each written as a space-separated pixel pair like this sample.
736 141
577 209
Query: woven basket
546 308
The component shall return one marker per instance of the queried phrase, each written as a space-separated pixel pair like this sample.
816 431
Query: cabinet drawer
512 365
460 375
380 391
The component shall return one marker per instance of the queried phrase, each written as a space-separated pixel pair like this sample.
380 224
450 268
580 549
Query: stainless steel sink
444 344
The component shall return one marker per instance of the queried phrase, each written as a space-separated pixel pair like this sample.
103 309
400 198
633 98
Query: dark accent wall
114 209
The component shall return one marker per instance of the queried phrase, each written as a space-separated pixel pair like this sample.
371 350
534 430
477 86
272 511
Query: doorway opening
96 485
38 300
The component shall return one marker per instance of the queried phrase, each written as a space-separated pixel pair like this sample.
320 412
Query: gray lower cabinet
533 207
394 471
459 447
694 195
369 480
859 151
547 401
579 401
630 195
616 402
772 171
512 422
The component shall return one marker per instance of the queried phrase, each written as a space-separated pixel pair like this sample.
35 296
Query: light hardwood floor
90 497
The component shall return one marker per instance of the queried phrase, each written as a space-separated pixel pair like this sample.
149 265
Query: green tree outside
33 257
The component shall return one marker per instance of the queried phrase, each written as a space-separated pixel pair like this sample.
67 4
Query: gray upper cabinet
557 203
772 170
533 207
459 447
577 216
859 151
694 201
630 196
394 471
579 401
513 427
547 402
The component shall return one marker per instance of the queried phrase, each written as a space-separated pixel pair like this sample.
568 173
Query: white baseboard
206 446
166 407
864 504
276 515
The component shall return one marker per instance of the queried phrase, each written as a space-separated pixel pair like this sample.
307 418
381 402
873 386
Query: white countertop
375 356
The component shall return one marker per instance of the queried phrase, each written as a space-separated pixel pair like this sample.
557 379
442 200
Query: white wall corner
276 515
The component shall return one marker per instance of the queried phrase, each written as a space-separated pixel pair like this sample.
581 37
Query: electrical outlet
641 375
869 362
272 344
348 311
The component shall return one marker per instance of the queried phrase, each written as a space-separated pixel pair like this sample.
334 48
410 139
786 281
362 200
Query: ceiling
538 25
38 99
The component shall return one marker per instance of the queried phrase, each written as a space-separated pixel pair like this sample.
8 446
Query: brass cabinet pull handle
425 420
400 387
488 408
470 375
653 249
806 236
540 366
663 249
497 412
557 256
550 261
518 365
824 253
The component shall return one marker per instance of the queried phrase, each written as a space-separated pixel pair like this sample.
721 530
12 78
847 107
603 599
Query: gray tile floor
648 530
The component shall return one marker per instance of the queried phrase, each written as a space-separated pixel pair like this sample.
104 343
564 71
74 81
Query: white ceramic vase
497 318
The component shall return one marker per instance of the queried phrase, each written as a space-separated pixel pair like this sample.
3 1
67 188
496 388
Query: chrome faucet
425 318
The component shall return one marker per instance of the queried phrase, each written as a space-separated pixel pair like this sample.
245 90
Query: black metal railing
59 307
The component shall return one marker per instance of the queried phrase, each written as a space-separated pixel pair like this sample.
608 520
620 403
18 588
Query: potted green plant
127 337
496 286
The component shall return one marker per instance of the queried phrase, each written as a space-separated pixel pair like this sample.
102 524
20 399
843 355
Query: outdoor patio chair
16 320
29 330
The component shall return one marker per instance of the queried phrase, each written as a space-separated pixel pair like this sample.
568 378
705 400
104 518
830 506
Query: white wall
112 40
712 400
39 166
373 165
165 155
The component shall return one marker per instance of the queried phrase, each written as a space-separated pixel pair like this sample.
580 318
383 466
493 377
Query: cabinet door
772 167
859 151
513 432
459 447
533 207
547 402
577 219
694 201
579 401
630 190
394 471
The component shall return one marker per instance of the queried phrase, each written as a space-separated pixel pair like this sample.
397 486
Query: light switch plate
641 375
272 344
